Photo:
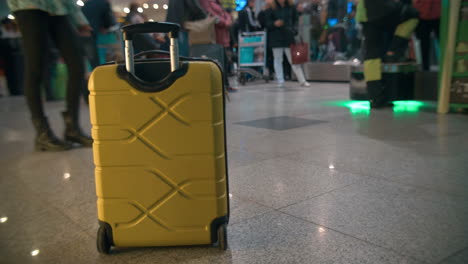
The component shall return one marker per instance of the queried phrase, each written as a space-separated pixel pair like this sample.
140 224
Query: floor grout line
318 195
349 235
453 255
382 178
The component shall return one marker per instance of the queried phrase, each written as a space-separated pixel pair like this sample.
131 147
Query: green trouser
374 33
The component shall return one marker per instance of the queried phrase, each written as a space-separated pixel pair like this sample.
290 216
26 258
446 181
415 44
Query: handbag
299 52
199 25
201 31
208 36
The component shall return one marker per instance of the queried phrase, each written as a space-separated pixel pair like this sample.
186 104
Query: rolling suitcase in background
159 149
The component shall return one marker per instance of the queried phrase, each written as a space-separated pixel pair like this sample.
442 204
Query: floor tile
460 257
242 209
278 238
280 182
362 186
280 123
416 223
377 159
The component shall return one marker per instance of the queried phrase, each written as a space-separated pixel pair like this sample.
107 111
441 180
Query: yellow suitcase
159 149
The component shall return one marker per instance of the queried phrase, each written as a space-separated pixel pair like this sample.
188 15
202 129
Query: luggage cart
251 56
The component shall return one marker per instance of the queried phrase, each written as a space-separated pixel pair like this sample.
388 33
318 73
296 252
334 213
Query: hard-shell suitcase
159 149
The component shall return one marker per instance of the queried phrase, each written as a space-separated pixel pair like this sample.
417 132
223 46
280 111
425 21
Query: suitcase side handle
150 27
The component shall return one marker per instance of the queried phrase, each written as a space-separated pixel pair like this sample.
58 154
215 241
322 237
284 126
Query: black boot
73 131
377 95
45 139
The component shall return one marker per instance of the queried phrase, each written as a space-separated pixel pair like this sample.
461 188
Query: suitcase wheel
222 237
103 243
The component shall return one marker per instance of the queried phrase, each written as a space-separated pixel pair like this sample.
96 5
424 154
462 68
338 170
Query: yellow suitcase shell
160 157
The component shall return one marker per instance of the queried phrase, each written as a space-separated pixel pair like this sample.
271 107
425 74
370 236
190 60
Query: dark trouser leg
373 64
34 28
424 34
66 39
33 25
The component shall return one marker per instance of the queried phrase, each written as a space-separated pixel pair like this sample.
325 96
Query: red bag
299 52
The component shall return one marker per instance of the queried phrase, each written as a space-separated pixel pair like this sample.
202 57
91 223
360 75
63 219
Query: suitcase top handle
150 27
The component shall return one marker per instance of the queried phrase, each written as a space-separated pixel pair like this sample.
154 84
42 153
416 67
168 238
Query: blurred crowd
49 47
328 26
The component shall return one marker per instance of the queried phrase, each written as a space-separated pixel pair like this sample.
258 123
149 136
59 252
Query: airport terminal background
315 174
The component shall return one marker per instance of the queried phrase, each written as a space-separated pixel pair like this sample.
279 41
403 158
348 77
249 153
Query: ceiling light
155 6
3 219
80 3
165 6
35 252
140 10
126 10
145 5
10 16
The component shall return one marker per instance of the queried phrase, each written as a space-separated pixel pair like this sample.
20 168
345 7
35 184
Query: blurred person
223 23
181 11
101 19
141 42
12 55
429 21
282 24
134 17
261 18
62 21
247 19
377 18
314 9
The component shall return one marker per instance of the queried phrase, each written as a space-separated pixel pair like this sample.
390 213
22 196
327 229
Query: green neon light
363 107
407 106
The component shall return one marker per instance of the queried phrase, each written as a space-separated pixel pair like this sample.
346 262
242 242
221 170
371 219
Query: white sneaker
305 84
281 85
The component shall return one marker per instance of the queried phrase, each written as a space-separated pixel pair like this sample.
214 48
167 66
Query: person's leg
7 53
66 39
33 25
296 68
424 35
435 25
278 63
269 62
403 31
373 65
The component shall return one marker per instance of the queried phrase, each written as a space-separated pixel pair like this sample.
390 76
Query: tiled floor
314 178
